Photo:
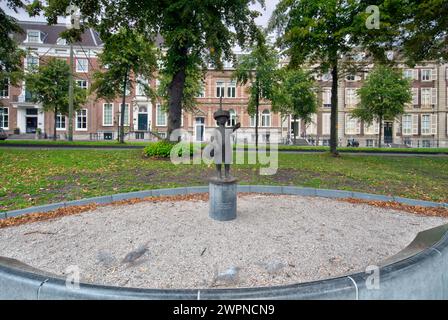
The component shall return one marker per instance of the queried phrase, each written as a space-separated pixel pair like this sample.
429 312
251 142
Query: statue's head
222 117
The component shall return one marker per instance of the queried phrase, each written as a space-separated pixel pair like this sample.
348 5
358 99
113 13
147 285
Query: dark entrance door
31 124
143 122
388 132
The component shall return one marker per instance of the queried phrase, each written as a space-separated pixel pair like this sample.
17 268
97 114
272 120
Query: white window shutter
434 74
415 124
434 96
347 119
377 127
434 124
358 126
415 92
416 74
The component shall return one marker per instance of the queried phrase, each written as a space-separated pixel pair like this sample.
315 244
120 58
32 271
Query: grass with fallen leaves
30 177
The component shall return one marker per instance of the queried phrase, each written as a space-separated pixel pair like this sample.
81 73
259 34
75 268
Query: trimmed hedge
162 149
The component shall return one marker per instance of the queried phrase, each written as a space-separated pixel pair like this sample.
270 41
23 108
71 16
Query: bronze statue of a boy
221 140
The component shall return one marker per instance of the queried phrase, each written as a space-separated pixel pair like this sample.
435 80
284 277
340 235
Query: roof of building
51 33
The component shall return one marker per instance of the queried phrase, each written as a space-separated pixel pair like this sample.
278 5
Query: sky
263 20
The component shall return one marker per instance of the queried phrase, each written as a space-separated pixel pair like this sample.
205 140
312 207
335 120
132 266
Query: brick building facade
425 123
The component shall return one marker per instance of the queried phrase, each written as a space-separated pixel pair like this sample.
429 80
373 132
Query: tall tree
259 71
10 55
193 87
49 84
192 30
128 59
426 30
295 94
320 32
383 97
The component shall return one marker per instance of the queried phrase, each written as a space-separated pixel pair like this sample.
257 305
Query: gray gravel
275 240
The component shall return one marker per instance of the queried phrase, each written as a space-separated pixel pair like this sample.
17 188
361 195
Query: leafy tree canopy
125 52
259 71
384 95
49 85
295 94
10 55
193 30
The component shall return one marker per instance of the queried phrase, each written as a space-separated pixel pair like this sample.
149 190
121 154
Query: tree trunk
294 130
55 121
380 132
175 93
257 114
123 107
334 109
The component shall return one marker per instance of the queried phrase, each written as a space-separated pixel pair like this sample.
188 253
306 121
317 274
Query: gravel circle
276 240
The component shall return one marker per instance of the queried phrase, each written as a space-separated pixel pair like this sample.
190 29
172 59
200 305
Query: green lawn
34 177
281 147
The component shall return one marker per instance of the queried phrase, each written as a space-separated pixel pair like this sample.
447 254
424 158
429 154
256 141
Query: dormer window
34 36
61 42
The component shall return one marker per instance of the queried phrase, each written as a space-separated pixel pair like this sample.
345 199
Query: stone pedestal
223 199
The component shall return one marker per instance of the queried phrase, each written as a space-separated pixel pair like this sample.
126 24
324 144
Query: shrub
162 149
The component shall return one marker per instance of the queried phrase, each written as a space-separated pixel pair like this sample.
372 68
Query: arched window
232 120
253 119
266 118
143 110
61 42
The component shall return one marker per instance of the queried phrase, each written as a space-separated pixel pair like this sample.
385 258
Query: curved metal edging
417 272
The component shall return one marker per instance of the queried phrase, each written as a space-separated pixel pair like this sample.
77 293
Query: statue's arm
238 125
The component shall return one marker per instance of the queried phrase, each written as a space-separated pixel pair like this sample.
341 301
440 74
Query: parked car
3 135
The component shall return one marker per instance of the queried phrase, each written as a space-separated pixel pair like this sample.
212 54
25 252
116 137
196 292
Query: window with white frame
326 123
415 96
33 36
220 89
351 125
108 114
253 119
426 124
351 97
127 111
408 74
227 64
32 61
231 89
311 127
326 97
407 125
4 89
81 120
266 118
426 96
4 118
83 84
61 42
426 75
82 65
327 77
372 128
60 122
141 87
201 93
232 120
161 116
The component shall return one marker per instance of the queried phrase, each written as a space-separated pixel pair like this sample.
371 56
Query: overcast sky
263 20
